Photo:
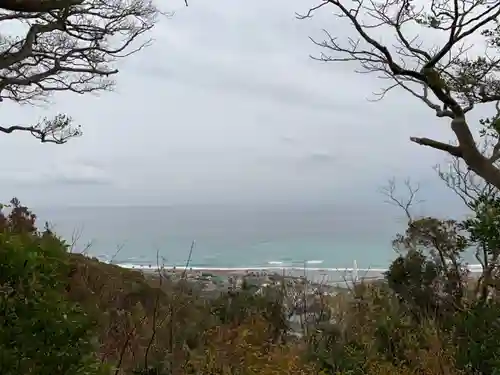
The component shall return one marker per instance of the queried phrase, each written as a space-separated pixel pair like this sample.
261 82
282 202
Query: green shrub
41 332
476 333
238 306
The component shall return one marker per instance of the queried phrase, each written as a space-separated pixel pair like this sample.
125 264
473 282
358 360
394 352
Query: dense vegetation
64 313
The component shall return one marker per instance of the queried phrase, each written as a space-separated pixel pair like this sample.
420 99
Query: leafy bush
431 316
245 348
41 331
239 306
377 334
477 338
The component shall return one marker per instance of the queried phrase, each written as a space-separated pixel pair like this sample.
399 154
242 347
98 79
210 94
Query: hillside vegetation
64 313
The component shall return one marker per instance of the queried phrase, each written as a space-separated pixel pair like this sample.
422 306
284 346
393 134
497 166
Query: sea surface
318 237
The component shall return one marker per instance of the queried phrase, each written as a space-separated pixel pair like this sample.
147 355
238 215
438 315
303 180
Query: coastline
211 281
330 276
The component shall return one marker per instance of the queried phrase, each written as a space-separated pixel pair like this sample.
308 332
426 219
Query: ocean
229 236
324 239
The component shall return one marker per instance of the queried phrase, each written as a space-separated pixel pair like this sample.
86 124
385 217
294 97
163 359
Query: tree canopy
36 6
69 45
449 78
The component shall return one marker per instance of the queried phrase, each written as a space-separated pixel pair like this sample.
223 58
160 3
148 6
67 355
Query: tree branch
452 150
57 130
37 6
68 45
404 203
456 81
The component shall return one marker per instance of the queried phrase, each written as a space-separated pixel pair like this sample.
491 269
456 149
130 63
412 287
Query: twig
119 248
188 259
125 345
405 204
155 310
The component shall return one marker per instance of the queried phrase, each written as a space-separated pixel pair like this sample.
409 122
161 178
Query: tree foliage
41 332
72 48
431 316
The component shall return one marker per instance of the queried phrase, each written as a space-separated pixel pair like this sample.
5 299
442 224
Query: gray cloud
77 181
66 173
320 157
226 106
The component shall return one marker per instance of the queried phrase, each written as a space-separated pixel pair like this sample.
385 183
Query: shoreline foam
330 276
472 268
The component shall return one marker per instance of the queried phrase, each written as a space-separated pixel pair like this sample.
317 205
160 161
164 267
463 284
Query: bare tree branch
36 6
453 150
466 184
444 77
406 203
67 45
40 6
57 130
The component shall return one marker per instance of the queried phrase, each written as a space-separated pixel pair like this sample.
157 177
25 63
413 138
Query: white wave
275 266
475 267
253 268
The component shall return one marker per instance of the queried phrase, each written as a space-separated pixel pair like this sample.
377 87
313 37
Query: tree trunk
474 159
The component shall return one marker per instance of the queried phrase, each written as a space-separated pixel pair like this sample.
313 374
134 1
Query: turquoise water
230 236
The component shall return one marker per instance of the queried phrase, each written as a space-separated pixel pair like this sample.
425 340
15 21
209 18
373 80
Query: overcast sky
226 107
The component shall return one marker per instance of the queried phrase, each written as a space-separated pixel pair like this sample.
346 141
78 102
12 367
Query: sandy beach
314 275
220 279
